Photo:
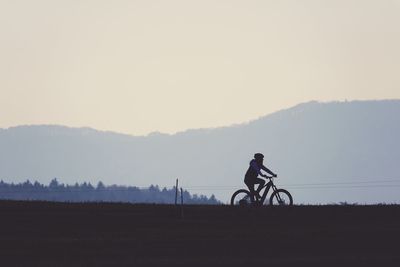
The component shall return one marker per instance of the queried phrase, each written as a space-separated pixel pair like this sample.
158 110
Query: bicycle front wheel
241 198
281 197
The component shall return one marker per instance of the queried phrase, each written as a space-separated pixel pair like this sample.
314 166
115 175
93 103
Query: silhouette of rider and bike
254 197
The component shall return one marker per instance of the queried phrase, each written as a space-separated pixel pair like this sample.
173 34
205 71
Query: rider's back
253 170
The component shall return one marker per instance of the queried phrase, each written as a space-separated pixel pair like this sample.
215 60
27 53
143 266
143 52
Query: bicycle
282 197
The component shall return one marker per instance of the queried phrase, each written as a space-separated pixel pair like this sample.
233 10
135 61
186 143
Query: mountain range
322 152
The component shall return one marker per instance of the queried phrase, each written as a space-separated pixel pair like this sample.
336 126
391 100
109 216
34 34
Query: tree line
86 192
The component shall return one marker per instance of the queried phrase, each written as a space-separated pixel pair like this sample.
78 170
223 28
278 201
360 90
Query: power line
306 188
338 183
373 183
389 183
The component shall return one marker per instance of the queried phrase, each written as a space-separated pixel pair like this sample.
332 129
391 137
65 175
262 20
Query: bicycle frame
267 186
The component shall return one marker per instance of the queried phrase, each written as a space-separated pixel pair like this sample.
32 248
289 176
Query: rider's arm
268 170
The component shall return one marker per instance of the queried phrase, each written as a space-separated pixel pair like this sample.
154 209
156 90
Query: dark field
57 234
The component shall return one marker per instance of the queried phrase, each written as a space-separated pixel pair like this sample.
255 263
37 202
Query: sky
137 67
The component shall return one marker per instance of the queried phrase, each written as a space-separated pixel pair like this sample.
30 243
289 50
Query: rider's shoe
256 199
257 203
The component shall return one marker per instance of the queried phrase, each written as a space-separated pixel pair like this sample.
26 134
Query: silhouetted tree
56 191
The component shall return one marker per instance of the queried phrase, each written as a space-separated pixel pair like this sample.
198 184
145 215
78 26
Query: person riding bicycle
250 179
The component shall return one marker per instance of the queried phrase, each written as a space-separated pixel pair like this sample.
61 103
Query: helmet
258 156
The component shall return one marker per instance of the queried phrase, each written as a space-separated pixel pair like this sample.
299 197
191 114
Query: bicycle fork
277 194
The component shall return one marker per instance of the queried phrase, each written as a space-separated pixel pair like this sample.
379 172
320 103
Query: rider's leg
250 185
260 183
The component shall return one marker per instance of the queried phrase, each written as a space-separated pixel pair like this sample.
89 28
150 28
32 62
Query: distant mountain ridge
337 142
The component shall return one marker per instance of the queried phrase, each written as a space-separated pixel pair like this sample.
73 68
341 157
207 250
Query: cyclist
250 179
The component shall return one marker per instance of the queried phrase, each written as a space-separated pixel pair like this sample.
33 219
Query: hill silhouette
322 152
117 234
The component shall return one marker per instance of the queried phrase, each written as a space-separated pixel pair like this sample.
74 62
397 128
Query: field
62 234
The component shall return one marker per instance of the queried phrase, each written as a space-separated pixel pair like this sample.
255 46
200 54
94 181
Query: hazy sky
142 66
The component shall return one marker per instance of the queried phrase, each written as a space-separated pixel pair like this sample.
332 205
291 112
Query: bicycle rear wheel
281 197
241 198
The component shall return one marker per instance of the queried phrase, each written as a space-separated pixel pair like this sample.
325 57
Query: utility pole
181 196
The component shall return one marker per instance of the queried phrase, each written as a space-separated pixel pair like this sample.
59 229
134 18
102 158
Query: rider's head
259 157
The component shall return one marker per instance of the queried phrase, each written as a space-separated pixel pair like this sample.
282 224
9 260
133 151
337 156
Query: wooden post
181 203
176 192
181 196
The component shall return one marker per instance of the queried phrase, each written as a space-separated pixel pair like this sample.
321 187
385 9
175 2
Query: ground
90 234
